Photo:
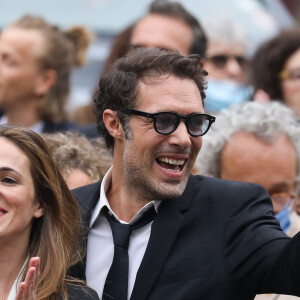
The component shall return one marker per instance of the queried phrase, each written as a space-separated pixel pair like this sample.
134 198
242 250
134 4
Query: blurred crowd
255 99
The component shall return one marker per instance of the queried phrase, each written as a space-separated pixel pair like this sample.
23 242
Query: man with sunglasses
156 231
226 63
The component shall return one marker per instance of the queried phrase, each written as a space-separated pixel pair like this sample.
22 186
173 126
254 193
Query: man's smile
171 164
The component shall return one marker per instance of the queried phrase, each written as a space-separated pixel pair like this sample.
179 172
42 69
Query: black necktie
116 284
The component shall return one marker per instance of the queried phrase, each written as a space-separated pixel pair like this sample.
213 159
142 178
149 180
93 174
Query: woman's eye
8 180
8 60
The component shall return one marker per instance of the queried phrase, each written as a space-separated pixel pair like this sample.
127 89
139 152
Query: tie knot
121 233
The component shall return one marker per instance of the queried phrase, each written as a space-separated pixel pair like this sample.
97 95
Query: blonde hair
63 51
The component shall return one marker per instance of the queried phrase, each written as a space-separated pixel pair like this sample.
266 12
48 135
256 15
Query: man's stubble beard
139 176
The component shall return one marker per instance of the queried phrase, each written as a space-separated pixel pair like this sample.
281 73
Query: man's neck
125 202
26 114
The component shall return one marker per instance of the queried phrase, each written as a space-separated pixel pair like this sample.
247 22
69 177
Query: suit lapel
164 231
87 198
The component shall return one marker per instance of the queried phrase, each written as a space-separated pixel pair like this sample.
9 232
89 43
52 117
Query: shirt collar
103 202
37 127
3 120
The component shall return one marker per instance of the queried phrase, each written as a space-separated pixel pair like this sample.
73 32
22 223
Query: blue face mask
284 219
223 93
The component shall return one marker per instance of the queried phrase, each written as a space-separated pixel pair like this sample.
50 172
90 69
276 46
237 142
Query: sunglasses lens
243 62
198 125
165 123
219 60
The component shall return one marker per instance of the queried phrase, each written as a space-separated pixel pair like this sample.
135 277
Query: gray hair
71 150
225 30
267 121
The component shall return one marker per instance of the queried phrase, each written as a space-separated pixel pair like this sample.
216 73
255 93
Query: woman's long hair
55 237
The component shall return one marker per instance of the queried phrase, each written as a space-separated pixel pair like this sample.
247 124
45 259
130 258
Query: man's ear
113 124
204 63
45 82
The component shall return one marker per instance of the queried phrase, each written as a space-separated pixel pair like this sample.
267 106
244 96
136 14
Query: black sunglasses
167 122
221 60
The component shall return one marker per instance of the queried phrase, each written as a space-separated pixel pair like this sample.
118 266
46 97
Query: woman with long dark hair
39 222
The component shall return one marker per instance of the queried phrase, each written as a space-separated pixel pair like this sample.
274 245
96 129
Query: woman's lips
2 211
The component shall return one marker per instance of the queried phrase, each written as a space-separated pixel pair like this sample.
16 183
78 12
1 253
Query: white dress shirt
15 287
100 247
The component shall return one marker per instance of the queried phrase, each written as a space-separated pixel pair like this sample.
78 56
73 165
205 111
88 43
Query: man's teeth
2 212
176 162
174 170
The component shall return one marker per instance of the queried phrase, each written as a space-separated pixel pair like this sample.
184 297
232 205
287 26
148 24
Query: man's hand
27 289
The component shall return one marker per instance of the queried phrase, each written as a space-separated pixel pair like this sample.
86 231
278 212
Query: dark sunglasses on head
167 122
221 60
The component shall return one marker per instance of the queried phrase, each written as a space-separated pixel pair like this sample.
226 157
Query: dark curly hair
269 61
118 85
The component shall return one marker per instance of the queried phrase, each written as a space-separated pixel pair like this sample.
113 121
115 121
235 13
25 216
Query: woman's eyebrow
8 169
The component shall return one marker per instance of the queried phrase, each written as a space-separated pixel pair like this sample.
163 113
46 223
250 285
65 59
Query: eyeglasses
221 60
167 122
290 74
282 199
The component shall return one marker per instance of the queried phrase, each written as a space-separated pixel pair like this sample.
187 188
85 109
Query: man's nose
234 69
180 136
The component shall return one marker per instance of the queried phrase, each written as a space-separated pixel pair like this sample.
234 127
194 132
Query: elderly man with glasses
156 231
258 143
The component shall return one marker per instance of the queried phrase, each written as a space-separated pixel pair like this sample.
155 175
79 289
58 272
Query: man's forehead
154 81
218 47
28 42
161 31
168 91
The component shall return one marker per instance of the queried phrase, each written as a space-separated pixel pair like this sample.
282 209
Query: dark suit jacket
219 240
79 292
90 131
51 127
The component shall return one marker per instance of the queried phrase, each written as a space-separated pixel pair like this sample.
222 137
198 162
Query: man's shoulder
51 127
222 193
81 292
216 185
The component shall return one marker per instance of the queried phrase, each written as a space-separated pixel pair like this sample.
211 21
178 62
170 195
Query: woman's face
291 84
18 204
